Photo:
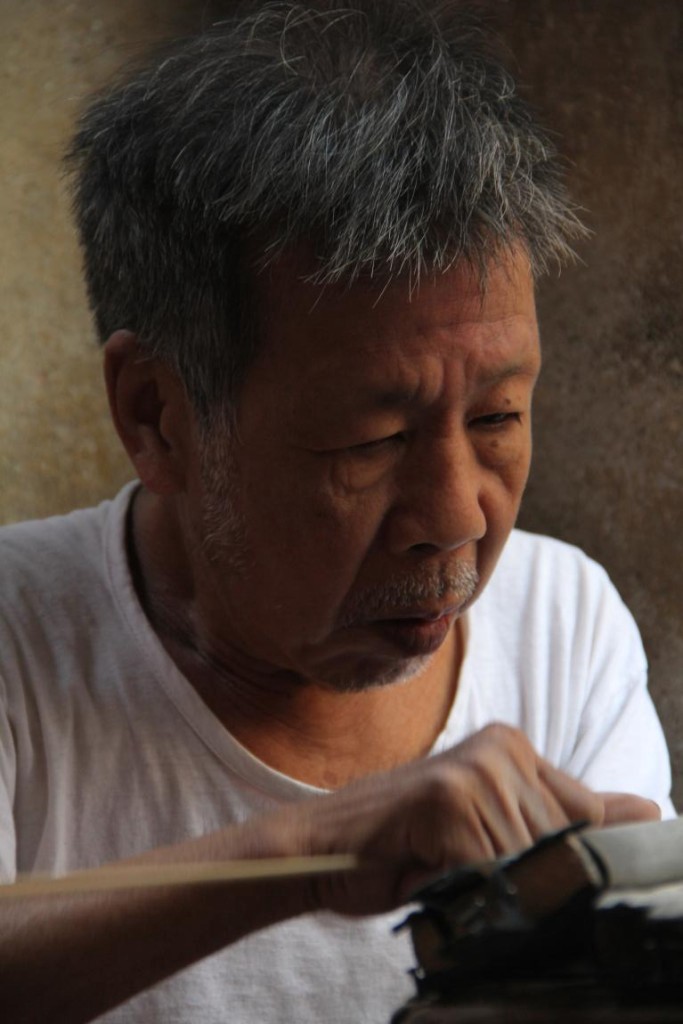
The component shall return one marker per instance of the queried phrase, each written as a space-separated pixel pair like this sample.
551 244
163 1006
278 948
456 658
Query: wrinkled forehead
289 301
319 343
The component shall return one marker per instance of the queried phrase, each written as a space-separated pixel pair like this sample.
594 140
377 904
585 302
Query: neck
298 726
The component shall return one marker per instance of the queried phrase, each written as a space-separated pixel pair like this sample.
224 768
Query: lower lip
415 637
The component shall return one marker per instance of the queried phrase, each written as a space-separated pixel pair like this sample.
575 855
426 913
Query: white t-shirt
107 750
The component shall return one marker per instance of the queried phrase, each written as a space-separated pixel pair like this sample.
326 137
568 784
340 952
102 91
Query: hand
491 795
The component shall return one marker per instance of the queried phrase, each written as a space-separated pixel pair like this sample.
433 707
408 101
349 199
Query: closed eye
376 445
496 420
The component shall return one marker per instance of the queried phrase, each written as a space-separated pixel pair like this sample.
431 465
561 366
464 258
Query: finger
507 829
543 813
623 807
491 771
577 801
459 847
496 791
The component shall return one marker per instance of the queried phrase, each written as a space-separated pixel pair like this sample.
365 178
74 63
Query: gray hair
383 133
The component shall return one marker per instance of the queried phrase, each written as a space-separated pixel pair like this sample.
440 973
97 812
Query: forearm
70 959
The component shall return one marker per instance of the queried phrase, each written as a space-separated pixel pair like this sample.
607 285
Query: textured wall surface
609 472
56 446
608 77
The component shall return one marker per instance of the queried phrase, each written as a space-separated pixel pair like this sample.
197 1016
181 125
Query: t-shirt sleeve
619 744
7 782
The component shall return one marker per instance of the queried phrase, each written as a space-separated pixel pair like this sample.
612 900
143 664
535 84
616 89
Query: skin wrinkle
241 586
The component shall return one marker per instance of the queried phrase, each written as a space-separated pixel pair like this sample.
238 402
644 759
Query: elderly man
310 238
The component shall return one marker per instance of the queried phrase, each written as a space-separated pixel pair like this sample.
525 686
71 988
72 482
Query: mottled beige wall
609 468
56 446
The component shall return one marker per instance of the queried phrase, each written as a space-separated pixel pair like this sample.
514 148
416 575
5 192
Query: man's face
383 446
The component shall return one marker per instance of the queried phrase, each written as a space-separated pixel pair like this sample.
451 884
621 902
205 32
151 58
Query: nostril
424 548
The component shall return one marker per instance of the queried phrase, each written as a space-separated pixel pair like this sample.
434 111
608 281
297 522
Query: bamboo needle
140 876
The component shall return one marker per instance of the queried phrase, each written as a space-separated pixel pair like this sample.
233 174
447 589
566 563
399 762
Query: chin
371 674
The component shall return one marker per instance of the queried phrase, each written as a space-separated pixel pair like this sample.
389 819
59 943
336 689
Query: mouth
416 633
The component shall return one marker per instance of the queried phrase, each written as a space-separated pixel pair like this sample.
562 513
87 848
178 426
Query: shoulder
535 570
47 562
548 595
532 557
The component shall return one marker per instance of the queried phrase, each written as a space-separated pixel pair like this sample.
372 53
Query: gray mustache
400 594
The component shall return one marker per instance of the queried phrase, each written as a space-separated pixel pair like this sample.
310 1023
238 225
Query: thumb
624 807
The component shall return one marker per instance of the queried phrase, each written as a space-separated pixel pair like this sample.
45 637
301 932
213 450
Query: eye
496 420
376 446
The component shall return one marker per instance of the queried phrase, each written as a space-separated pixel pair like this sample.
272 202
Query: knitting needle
139 876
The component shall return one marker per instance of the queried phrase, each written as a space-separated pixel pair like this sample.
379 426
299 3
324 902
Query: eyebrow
521 369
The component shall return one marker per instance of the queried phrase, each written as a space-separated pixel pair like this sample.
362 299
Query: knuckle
442 791
500 746
507 737
515 747
493 777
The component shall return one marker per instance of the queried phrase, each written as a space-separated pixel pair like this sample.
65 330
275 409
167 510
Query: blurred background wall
607 76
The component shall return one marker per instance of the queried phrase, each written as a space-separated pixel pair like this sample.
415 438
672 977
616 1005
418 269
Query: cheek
516 474
507 459
501 501
505 462
312 539
507 491
311 504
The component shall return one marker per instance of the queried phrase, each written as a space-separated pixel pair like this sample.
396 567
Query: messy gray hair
383 133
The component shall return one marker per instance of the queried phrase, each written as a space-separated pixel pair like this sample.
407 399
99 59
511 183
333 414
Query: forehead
332 336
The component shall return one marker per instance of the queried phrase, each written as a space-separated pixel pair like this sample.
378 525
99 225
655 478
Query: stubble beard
222 528
373 677
453 585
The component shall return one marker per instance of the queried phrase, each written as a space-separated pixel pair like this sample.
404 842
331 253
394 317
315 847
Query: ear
151 413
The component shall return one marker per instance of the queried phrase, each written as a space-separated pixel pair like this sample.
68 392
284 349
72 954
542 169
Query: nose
440 500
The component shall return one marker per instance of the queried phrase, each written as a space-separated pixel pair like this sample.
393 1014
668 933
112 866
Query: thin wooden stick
140 876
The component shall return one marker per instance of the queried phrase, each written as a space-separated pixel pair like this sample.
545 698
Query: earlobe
148 407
